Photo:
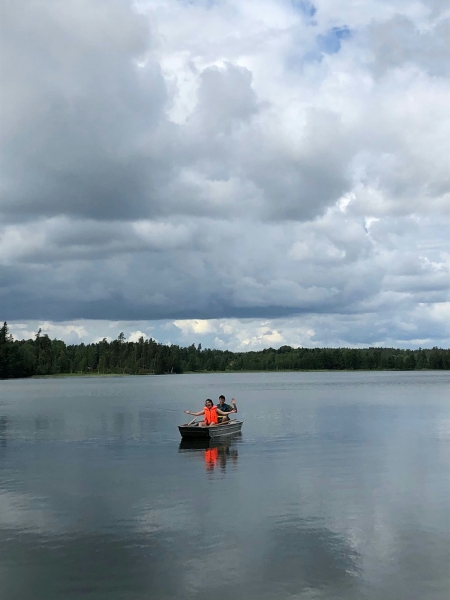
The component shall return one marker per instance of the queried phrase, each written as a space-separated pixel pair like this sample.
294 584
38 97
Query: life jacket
211 415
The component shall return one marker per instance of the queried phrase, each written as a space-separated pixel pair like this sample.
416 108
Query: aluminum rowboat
195 432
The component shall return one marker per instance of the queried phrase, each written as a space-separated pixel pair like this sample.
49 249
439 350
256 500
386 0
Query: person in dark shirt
223 406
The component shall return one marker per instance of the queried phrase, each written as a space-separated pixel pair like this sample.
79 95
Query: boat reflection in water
216 454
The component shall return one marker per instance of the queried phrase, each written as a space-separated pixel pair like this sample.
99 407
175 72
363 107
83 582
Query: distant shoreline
90 375
42 356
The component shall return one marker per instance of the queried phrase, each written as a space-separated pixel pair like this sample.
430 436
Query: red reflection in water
211 458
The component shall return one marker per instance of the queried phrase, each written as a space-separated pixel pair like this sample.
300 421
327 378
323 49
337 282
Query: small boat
195 432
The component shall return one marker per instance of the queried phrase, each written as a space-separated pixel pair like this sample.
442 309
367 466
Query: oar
190 422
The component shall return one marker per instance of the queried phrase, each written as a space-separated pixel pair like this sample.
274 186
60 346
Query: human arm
224 413
233 402
197 414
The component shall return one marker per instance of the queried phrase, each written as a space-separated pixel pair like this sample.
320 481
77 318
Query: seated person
211 413
226 408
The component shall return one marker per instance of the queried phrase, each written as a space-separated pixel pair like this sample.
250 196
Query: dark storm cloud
79 118
207 270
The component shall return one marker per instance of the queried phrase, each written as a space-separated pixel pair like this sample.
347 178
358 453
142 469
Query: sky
242 174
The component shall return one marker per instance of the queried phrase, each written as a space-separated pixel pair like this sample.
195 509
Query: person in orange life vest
211 413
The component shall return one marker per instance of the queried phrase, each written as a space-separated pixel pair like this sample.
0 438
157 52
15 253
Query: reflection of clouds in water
442 430
222 562
171 518
302 555
118 425
39 427
295 560
218 566
324 505
92 565
25 513
75 486
290 558
3 431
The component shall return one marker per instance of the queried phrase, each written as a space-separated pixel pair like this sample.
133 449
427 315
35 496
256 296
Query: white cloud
194 326
68 331
136 335
193 162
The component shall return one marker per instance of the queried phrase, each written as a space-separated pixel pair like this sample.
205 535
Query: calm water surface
338 488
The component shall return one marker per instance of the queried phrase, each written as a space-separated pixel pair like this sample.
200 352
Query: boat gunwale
196 425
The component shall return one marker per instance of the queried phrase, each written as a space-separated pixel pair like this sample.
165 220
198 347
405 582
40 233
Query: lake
337 488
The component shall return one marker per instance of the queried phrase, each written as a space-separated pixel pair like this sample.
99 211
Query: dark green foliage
16 358
43 356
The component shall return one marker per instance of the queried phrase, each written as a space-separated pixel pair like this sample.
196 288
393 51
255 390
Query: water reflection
3 428
216 454
96 565
304 554
169 566
99 499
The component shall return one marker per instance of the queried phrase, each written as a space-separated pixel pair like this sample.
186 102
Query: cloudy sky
236 173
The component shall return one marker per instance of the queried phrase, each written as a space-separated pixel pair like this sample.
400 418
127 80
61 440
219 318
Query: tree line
43 356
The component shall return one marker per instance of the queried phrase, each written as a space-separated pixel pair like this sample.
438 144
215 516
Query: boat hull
195 432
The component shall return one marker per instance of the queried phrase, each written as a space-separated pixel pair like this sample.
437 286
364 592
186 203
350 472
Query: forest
43 356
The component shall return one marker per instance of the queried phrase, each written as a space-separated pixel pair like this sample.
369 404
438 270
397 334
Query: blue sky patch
330 41
326 43
305 7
